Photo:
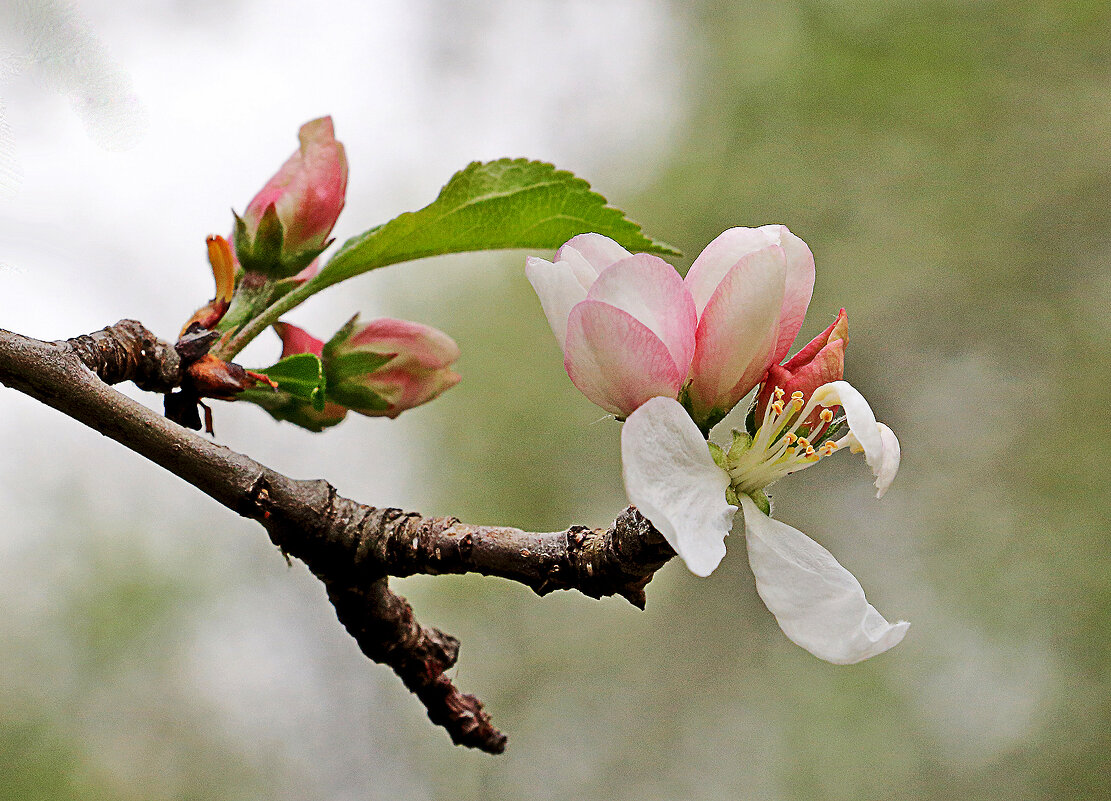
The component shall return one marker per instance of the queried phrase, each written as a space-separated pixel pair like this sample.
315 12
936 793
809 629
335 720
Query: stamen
826 415
804 442
796 395
779 393
777 407
791 438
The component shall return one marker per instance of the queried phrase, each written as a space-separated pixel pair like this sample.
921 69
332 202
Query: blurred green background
949 163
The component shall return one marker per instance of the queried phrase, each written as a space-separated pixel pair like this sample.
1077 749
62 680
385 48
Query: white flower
681 486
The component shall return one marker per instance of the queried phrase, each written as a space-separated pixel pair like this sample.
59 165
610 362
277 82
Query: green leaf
301 376
509 203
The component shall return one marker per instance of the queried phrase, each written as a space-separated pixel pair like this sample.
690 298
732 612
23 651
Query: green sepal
340 337
284 406
731 496
763 503
357 397
265 254
301 376
356 363
718 455
742 441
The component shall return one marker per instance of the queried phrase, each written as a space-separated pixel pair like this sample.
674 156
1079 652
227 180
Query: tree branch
351 547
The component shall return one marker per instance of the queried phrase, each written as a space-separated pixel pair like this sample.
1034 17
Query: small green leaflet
508 203
300 375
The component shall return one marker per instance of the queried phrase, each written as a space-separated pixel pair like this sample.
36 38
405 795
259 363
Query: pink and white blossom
631 329
625 323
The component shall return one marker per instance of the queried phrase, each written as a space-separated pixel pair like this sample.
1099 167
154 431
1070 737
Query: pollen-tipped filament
788 439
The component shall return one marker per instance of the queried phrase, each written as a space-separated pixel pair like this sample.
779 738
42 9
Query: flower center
789 438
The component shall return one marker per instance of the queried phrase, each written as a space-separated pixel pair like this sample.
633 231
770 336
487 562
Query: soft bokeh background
949 164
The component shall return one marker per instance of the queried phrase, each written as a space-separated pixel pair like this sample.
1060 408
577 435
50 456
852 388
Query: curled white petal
889 461
818 604
879 443
672 479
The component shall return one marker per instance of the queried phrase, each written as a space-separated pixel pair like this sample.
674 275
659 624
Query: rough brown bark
351 547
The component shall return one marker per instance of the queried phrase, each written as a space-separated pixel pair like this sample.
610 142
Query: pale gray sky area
129 129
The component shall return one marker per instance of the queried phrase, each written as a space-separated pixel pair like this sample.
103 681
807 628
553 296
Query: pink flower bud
307 194
820 362
387 366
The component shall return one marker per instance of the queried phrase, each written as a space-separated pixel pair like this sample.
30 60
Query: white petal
879 443
817 603
889 462
558 289
672 479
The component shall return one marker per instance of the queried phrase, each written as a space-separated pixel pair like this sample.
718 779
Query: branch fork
351 547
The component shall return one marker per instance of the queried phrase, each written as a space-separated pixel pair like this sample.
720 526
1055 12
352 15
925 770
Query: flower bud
387 366
287 223
820 362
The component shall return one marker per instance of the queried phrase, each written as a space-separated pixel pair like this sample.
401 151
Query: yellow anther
828 448
779 393
791 438
826 415
796 395
804 442
777 407
796 403
809 451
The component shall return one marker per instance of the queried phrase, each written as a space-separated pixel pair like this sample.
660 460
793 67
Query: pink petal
297 340
416 343
615 360
730 247
650 289
797 290
737 333
837 330
589 254
308 191
721 255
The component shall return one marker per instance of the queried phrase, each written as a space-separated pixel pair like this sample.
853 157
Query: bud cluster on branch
351 547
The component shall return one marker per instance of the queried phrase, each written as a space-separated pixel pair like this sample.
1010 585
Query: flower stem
270 315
